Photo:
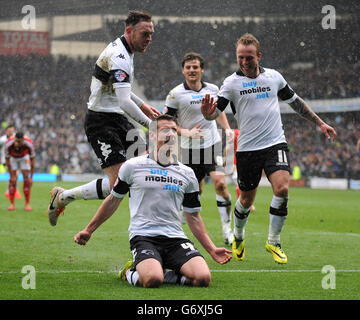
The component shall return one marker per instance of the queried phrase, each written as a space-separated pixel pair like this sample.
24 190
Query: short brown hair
154 124
134 17
248 39
193 56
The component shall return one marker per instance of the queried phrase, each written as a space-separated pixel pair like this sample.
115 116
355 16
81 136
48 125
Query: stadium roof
291 8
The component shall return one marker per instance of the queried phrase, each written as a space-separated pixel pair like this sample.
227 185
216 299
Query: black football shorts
113 138
172 253
203 161
249 164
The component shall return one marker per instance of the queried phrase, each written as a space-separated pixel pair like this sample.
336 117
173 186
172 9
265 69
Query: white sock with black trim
132 276
224 207
278 214
241 216
94 190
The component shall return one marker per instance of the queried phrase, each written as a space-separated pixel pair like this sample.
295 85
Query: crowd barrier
311 182
317 183
37 177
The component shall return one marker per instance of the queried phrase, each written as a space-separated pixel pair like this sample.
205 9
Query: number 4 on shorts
188 245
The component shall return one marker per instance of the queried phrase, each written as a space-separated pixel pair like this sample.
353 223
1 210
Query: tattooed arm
303 109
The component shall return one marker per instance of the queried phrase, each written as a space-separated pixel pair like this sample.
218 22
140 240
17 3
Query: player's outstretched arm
208 108
126 103
197 227
151 112
304 110
147 109
105 211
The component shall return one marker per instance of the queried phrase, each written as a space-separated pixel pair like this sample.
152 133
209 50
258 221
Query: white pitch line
216 270
275 271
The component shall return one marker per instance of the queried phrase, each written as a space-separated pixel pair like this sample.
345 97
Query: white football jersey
114 68
256 107
156 194
187 104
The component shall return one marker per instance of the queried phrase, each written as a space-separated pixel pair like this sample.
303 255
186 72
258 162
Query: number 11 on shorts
282 156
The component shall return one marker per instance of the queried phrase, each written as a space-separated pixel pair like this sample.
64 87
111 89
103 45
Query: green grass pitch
322 228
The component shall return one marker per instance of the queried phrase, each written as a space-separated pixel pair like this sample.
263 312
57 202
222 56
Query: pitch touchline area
216 270
274 271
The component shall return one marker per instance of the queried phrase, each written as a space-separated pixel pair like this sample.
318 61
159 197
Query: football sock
26 189
241 216
171 277
132 276
278 214
12 190
224 207
94 190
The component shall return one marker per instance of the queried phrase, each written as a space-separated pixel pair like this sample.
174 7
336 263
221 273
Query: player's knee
152 281
202 280
246 202
220 187
282 190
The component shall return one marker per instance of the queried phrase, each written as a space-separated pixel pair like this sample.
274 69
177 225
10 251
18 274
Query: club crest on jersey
120 75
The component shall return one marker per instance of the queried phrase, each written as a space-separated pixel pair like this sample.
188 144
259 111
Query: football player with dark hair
107 127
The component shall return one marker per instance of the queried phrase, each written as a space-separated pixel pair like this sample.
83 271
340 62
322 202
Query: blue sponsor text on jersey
159 172
249 84
261 92
198 96
161 175
262 95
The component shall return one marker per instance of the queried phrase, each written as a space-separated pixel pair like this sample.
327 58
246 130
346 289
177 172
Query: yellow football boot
277 253
238 249
122 272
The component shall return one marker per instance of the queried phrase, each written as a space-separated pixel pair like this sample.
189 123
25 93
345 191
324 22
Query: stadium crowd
317 62
318 157
46 96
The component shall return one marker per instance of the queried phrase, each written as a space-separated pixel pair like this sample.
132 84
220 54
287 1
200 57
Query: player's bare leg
252 207
12 189
149 273
223 199
196 272
27 189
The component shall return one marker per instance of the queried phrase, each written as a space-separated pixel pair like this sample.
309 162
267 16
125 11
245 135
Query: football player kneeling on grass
159 186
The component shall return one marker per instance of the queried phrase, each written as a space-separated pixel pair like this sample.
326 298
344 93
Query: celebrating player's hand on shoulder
150 111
